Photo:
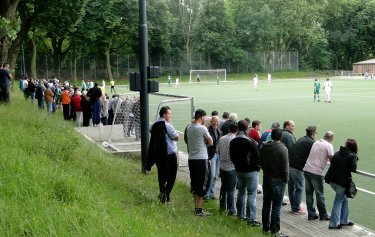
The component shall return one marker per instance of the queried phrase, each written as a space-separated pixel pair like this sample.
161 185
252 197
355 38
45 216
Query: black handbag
350 189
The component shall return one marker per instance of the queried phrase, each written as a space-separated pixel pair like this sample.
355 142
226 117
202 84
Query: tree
213 32
8 26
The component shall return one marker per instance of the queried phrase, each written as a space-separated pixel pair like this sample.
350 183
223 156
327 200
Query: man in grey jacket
275 165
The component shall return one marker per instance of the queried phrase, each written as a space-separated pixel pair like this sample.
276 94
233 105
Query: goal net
210 76
125 131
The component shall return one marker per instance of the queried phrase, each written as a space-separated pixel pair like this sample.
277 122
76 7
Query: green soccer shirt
316 86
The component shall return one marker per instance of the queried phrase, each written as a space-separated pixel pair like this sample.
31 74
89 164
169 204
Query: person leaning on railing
338 175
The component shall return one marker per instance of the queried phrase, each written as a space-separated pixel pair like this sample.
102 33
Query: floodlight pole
143 94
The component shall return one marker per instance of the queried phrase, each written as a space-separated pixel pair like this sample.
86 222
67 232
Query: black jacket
211 150
244 154
157 149
342 164
300 152
274 160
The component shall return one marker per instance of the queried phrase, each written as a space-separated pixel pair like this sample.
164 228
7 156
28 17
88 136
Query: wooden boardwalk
292 225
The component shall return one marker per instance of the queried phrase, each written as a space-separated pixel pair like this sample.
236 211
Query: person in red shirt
254 131
65 100
76 103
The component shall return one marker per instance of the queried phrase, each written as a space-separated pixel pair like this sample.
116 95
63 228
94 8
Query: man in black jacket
245 157
274 162
298 155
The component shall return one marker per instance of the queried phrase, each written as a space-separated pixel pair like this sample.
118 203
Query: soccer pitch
350 115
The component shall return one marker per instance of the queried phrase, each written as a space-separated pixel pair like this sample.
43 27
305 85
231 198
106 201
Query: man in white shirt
255 82
321 152
327 87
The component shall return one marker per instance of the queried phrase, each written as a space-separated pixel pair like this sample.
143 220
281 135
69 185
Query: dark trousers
273 193
66 111
95 112
4 94
167 175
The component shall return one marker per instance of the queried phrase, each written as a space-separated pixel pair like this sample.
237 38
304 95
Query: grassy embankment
53 182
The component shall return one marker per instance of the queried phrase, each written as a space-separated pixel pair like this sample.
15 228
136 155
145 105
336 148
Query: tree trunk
8 10
108 63
33 59
75 68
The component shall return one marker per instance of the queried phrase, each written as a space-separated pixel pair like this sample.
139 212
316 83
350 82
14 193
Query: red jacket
76 103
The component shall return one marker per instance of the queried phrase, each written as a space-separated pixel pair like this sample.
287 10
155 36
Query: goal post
212 75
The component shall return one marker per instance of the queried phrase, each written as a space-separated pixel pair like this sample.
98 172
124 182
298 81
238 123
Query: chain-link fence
93 67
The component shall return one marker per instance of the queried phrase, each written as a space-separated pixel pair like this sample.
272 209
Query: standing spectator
162 151
328 87
223 119
321 152
104 109
274 162
266 135
94 94
39 95
245 157
288 138
197 139
254 131
225 126
136 111
86 110
65 100
338 175
5 78
48 96
299 153
31 89
84 86
227 172
213 156
76 104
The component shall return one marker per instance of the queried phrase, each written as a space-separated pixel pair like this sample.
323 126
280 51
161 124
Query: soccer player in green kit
316 90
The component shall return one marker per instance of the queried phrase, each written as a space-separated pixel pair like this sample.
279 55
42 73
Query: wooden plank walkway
292 225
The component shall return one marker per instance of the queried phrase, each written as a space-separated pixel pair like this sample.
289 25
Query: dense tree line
328 34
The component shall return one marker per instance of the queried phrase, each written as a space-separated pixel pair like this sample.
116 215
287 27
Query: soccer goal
214 75
124 132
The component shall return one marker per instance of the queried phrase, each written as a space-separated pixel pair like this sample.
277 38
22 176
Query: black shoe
312 217
334 227
279 234
253 223
347 224
324 218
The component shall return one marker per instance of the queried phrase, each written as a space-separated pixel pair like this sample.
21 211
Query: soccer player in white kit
327 87
255 82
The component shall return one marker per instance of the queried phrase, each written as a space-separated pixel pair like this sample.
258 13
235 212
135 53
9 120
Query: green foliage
9 27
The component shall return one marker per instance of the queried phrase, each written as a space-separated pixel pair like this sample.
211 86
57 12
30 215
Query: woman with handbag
339 177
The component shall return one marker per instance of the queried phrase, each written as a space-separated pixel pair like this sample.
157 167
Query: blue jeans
247 186
49 107
273 194
96 112
340 209
32 95
228 186
214 174
295 188
315 183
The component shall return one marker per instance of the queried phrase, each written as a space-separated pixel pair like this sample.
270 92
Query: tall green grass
53 182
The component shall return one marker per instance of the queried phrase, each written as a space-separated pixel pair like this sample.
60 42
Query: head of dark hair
214 113
351 144
310 130
163 110
242 125
233 128
199 113
255 123
247 120
286 123
276 134
96 84
225 115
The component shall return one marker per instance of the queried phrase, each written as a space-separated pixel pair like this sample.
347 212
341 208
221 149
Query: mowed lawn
350 115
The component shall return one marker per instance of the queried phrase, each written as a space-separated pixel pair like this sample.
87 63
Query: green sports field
350 115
